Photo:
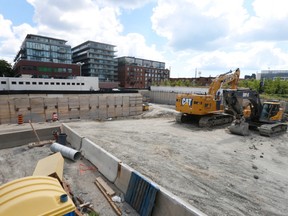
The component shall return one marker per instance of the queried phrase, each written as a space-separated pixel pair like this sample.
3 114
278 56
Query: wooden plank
113 205
106 187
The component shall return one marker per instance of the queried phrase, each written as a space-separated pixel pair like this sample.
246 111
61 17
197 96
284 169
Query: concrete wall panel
169 205
106 163
123 177
73 137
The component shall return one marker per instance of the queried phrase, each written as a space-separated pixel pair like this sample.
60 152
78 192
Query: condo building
45 57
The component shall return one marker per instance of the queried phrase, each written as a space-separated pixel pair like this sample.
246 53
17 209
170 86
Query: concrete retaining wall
40 107
180 89
14 139
120 174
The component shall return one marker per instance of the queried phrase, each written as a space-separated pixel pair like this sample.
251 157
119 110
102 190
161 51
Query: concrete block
93 113
110 100
73 103
84 100
123 177
118 100
119 111
4 111
73 137
168 204
106 163
102 100
21 104
37 109
102 111
94 100
132 109
111 112
125 100
74 114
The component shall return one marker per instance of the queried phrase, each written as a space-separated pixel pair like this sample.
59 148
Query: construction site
133 156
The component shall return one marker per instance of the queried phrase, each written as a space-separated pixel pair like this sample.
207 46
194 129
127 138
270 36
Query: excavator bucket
239 128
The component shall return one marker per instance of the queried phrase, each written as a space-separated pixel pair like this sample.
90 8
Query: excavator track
272 129
215 119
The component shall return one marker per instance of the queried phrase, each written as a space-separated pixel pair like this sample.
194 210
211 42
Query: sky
194 38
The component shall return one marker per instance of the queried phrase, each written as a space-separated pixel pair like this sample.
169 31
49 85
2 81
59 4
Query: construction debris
106 187
41 143
104 192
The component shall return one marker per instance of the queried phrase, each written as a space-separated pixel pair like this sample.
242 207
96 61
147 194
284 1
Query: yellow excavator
206 109
268 118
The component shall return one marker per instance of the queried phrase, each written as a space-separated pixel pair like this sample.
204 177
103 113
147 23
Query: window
34 83
73 83
82 83
63 83
52 83
46 83
21 83
40 83
3 82
78 83
57 83
13 83
27 83
68 83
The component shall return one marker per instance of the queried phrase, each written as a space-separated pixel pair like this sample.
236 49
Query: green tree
5 69
251 84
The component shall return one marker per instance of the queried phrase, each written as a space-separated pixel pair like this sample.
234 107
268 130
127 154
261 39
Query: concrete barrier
123 177
73 137
106 163
169 205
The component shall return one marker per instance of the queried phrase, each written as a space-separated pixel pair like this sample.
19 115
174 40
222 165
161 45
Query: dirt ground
213 170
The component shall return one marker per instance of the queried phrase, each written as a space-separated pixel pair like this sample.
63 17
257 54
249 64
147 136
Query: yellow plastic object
34 195
52 165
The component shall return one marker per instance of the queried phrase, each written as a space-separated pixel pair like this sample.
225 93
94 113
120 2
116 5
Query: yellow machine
267 118
207 108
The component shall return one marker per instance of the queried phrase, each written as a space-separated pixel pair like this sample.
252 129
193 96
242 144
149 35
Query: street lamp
80 63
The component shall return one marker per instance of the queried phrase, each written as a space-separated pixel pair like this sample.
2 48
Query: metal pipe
65 151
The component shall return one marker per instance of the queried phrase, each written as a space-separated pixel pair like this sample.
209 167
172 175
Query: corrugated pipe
65 151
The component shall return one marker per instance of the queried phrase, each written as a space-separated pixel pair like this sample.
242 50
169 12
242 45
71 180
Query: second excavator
266 117
206 109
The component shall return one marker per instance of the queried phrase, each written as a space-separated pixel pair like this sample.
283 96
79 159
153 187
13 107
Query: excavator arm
227 78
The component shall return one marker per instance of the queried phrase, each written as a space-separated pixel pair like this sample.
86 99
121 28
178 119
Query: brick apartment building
140 73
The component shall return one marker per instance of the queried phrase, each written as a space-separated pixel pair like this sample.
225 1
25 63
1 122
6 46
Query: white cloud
11 38
218 35
126 4
135 45
86 20
196 24
213 36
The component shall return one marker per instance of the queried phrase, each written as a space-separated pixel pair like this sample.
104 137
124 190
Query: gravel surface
213 170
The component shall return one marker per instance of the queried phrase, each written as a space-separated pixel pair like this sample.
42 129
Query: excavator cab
271 112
